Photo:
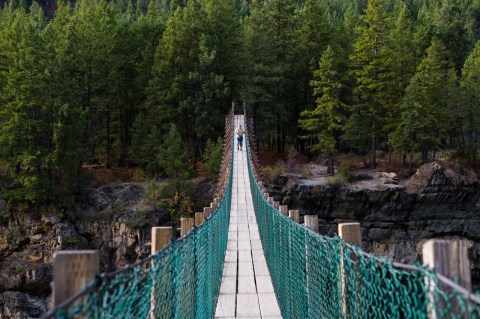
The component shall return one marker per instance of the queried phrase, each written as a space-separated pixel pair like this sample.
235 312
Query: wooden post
350 233
311 222
72 269
213 206
199 219
284 209
186 225
207 211
295 215
161 237
450 259
270 200
276 204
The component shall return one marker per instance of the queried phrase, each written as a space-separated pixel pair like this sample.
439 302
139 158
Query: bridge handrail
180 281
316 276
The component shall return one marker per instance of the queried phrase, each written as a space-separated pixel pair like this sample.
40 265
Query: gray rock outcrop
439 201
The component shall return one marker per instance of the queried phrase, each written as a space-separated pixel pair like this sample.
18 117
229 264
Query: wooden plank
226 306
247 305
268 305
261 268
245 269
264 284
246 285
245 255
230 269
229 285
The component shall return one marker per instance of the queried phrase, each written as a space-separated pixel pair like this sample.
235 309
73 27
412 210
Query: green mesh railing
317 276
181 281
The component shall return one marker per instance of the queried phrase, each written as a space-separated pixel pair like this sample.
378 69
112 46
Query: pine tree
449 26
281 26
312 37
401 64
427 111
213 157
185 89
325 119
470 107
369 61
261 72
25 118
173 160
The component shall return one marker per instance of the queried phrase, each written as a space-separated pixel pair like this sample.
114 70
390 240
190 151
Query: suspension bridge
246 256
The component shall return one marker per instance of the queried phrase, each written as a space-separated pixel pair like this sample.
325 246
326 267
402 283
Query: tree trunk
374 144
331 169
410 165
109 146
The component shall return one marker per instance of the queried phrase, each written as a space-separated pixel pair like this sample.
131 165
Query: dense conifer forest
120 84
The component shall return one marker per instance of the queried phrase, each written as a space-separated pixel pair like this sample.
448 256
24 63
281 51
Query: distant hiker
239 133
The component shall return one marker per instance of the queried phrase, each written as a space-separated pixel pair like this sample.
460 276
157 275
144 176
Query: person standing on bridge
239 133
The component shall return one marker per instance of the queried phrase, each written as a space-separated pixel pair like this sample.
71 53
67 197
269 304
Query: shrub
270 174
345 172
213 157
138 175
19 269
136 220
336 180
13 234
72 240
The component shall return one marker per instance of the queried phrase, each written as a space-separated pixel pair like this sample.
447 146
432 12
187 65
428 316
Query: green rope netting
181 281
316 276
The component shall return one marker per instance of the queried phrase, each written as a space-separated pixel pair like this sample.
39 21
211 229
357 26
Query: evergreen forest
126 84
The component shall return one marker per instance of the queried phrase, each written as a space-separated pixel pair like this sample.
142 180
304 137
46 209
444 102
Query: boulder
18 305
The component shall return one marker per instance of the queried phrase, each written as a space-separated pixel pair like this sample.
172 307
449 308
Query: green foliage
345 172
72 241
369 60
213 157
173 160
271 173
179 205
469 112
20 269
325 119
101 82
427 105
153 195
136 220
336 180
13 234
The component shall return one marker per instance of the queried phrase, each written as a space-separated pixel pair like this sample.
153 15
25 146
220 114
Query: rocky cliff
439 201
113 219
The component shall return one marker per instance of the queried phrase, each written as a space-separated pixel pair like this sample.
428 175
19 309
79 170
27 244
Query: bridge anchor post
72 270
349 282
295 215
311 222
449 258
186 225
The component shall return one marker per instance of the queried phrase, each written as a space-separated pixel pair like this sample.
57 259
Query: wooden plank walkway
246 290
